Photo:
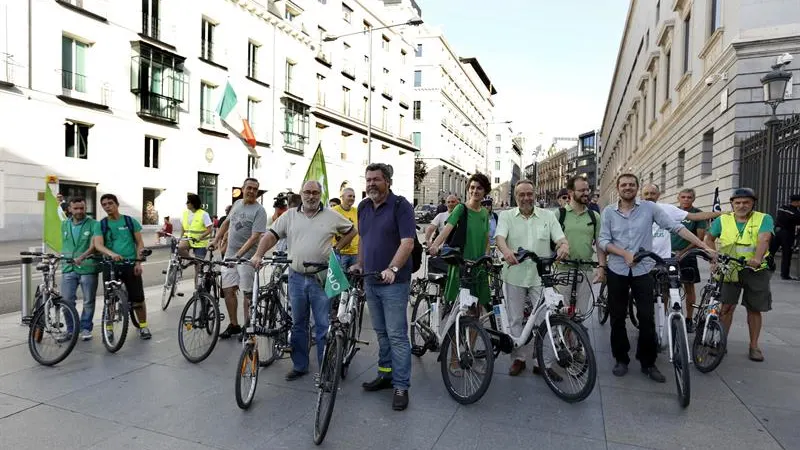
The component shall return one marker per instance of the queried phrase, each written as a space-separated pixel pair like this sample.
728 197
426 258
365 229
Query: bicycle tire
588 364
247 368
208 322
602 304
328 384
680 362
131 310
421 347
120 302
632 310
709 362
269 321
170 286
468 357
37 331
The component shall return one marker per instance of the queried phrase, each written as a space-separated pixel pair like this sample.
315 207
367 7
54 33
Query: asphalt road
10 280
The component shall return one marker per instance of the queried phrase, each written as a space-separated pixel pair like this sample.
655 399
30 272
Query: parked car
424 213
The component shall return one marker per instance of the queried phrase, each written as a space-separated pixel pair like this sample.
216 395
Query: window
416 138
252 114
663 185
365 109
644 112
681 165
651 177
345 101
647 40
207 39
716 16
403 56
150 18
668 64
206 108
385 43
655 98
347 13
498 138
290 15
707 158
289 75
73 64
402 125
496 180
658 12
497 150
417 78
151 147
418 51
158 82
417 110
295 125
384 118
252 58
687 42
367 26
320 90
76 140
497 165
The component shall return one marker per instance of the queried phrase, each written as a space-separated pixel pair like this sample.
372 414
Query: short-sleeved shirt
532 233
381 230
244 221
679 243
352 216
119 238
580 233
207 222
76 239
662 240
440 221
309 238
767 226
477 230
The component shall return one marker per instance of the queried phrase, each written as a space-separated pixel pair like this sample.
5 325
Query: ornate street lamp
774 84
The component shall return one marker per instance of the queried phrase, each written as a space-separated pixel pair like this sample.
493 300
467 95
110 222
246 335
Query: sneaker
755 355
144 333
377 384
689 325
294 374
400 399
516 368
654 374
620 369
64 337
230 331
86 335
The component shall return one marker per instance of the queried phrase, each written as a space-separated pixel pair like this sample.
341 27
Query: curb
13 262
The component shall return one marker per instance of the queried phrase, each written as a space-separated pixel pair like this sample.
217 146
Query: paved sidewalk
148 397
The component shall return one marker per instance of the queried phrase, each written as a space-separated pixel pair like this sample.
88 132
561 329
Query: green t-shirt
767 226
580 234
76 239
679 243
118 238
474 248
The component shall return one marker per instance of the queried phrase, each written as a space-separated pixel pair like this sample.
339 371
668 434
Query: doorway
207 190
149 212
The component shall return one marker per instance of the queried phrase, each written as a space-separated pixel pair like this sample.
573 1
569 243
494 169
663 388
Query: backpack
562 215
458 238
128 223
416 253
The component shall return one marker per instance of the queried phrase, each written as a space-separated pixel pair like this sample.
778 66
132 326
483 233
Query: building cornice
262 12
643 80
652 59
626 30
664 35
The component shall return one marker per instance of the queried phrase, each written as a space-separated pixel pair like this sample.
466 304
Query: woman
477 240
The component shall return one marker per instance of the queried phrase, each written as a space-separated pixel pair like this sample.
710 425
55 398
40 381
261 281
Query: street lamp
412 22
774 84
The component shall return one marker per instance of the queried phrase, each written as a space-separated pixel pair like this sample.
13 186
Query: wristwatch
394 269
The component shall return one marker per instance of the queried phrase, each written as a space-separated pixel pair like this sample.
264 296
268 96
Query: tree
420 171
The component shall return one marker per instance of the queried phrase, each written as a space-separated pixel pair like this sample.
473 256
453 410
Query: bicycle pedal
418 350
221 317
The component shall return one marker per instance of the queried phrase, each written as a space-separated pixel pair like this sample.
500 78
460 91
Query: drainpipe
30 43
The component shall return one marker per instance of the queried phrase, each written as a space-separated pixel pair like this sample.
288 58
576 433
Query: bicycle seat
284 277
437 278
451 255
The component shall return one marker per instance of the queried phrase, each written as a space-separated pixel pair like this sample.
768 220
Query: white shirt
440 220
662 242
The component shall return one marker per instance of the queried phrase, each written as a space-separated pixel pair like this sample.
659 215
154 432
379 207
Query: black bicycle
198 326
116 306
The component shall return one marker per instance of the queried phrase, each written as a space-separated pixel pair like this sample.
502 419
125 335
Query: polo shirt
381 230
309 238
580 233
679 243
532 233
352 216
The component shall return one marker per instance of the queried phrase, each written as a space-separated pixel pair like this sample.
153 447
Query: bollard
26 286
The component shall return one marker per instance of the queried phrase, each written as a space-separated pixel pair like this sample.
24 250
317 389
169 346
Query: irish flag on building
229 112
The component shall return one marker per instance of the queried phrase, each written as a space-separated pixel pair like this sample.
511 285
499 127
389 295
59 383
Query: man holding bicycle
77 236
745 233
196 225
308 230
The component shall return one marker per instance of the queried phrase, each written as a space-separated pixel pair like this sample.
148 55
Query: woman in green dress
477 240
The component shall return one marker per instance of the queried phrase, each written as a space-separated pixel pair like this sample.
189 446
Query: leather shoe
550 373
516 368
654 374
620 369
400 399
294 374
377 384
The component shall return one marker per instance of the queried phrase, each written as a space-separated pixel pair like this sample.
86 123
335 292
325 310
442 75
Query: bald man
438 222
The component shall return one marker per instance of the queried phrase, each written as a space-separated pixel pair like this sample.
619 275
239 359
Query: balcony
387 92
158 107
153 27
324 58
349 70
79 89
213 55
95 9
159 83
7 67
404 101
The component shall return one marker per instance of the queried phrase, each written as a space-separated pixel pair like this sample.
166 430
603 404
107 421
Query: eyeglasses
312 193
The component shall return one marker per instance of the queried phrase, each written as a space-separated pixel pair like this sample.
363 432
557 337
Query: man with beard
76 235
308 230
625 228
387 230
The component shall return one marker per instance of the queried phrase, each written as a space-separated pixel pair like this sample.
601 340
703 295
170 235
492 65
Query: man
243 228
63 207
387 230
442 207
662 241
120 237
533 229
166 229
581 227
595 203
487 203
745 233
196 224
334 202
348 253
78 243
437 224
787 220
222 219
625 228
308 230
562 197
280 206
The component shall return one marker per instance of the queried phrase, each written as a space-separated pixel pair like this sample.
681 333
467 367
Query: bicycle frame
664 316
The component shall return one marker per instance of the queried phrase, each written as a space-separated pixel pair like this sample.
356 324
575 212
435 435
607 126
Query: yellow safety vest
736 244
195 229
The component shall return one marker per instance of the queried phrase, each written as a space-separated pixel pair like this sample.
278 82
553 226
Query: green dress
475 247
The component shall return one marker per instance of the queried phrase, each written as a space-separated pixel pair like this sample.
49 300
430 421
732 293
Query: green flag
316 171
335 282
52 221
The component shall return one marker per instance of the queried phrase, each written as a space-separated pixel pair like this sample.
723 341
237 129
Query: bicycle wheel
602 304
467 378
49 338
115 320
272 345
170 285
680 361
247 376
572 371
421 314
632 311
198 328
709 345
327 386
350 342
131 310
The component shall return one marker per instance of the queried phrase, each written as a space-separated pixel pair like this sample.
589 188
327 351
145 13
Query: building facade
582 161
551 176
123 100
686 91
505 162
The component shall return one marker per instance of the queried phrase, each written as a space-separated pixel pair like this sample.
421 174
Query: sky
550 61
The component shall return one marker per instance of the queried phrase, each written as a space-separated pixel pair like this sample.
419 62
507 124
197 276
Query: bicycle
710 338
174 271
351 312
116 308
52 316
340 347
454 330
602 307
201 315
569 345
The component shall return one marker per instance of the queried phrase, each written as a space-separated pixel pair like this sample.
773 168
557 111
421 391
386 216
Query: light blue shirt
632 232
492 228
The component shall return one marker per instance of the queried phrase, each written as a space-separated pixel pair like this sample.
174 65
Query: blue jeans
388 304
305 291
69 290
347 261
